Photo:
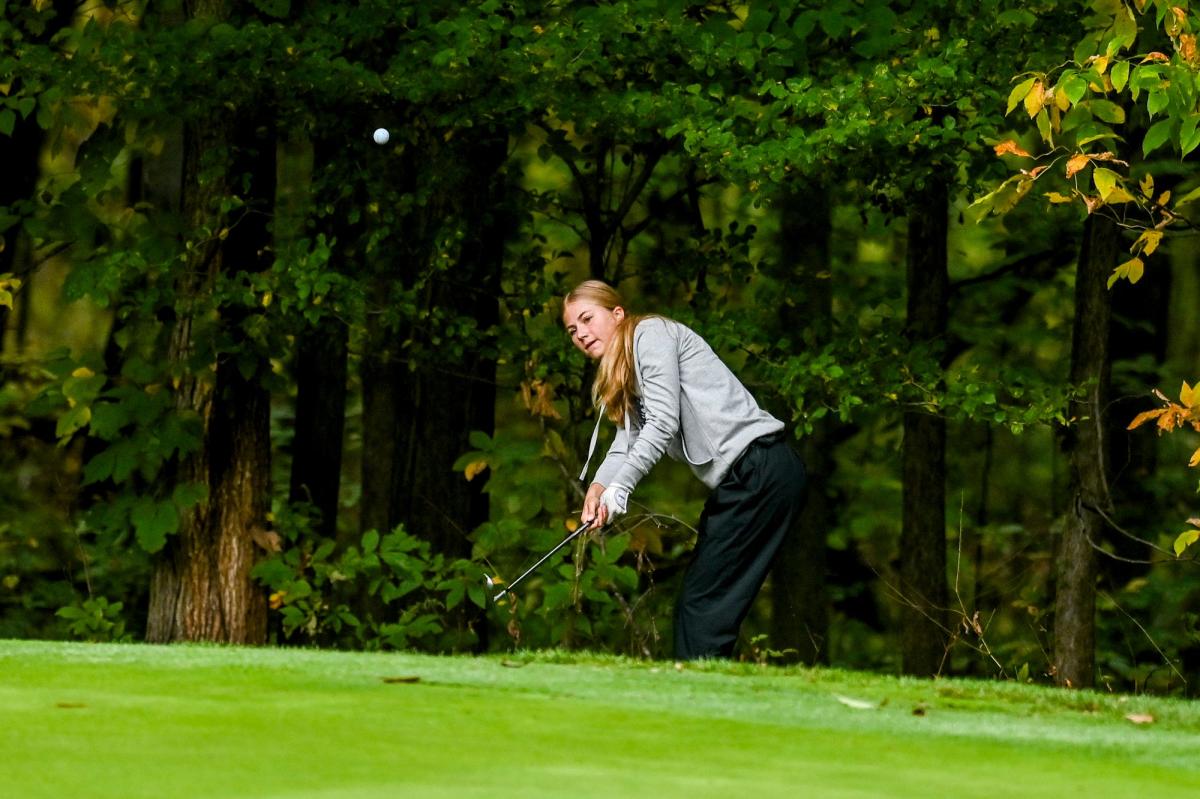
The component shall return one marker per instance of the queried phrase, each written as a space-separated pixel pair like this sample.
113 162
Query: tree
202 588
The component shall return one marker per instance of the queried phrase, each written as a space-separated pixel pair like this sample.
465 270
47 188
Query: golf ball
382 136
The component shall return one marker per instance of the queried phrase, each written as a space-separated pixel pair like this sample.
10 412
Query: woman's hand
594 512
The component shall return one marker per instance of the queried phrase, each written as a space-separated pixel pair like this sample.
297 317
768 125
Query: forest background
265 380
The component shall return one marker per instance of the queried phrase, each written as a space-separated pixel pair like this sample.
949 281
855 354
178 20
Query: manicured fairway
96 721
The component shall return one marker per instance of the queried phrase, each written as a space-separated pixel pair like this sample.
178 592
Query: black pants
745 520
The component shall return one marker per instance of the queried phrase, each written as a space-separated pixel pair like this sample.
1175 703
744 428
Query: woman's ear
618 313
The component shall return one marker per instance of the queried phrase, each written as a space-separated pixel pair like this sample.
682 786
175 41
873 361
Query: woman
668 392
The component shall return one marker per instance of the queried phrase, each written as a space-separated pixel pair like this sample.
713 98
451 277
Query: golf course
100 720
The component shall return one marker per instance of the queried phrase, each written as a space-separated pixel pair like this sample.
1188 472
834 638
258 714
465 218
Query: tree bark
923 528
201 588
321 367
380 374
799 612
1083 444
446 401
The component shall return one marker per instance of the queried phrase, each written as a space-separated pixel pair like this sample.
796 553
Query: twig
1148 638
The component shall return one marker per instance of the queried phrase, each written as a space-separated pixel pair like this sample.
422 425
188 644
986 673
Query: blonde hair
615 386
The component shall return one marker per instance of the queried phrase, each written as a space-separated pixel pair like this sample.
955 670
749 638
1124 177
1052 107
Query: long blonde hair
615 386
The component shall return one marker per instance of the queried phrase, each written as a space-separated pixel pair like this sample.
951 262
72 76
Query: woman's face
591 326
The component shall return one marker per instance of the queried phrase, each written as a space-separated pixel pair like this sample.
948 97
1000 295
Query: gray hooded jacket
692 407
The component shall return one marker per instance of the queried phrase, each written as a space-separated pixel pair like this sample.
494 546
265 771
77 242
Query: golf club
508 589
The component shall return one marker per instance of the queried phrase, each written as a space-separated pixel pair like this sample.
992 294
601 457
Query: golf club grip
578 532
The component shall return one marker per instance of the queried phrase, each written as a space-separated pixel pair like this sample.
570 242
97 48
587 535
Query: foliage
1119 89
1171 416
97 620
389 592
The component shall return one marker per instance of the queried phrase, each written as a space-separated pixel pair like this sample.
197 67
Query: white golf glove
615 499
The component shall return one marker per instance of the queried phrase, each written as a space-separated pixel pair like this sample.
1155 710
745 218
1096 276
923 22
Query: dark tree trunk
799 614
1083 445
446 400
321 365
19 167
380 374
923 528
321 368
201 589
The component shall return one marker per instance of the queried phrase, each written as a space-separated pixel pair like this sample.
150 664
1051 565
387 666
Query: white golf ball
382 136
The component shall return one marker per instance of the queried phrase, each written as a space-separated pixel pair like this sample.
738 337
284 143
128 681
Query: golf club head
491 585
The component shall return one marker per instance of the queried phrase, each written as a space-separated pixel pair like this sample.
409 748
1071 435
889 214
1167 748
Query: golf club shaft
578 532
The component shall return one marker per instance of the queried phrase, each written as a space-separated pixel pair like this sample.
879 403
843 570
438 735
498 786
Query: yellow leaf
1163 199
1195 461
1136 269
1010 147
1106 181
474 468
1034 101
1118 195
1076 164
571 524
83 373
1147 186
1055 197
1144 417
266 299
1101 64
1149 242
1185 540
1187 395
1062 102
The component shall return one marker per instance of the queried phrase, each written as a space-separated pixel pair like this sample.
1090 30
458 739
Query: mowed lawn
125 721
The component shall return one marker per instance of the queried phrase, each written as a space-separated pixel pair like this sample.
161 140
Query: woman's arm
656 352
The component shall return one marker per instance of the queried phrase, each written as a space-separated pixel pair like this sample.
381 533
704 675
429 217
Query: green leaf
1189 138
1120 75
100 467
72 420
8 121
1158 134
1185 540
1074 87
370 541
1106 180
186 495
1018 93
1157 101
1043 125
1108 111
153 522
108 418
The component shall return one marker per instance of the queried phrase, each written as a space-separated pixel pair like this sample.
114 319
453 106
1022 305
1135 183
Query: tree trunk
201 589
446 401
799 614
321 368
923 528
380 375
20 158
1084 447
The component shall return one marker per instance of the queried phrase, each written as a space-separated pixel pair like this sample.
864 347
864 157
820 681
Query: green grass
100 721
